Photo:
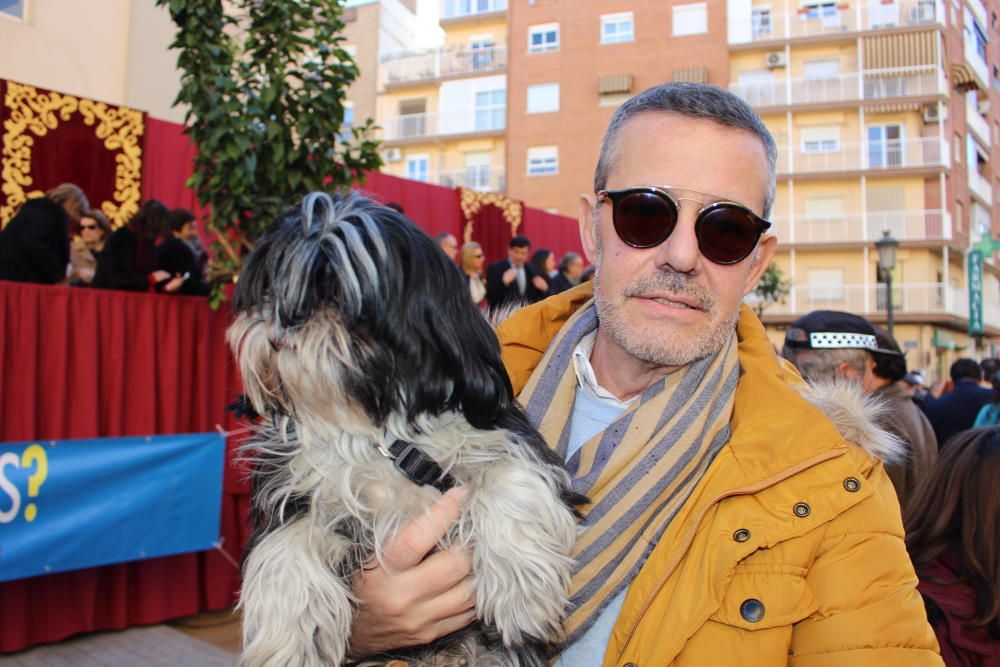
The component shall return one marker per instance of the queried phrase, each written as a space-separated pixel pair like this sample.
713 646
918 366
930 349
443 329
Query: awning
691 74
899 51
614 84
962 76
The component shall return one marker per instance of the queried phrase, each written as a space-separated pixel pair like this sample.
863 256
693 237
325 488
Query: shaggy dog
358 343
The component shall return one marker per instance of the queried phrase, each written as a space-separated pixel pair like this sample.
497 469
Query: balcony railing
766 26
976 62
979 186
454 9
422 125
875 85
907 298
871 155
440 63
482 178
929 225
977 123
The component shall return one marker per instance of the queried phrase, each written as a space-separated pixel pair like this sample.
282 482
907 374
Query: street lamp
887 247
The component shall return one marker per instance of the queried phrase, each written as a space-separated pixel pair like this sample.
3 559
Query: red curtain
492 231
433 208
55 138
558 233
80 363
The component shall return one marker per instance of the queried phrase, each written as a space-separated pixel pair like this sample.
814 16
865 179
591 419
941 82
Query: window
979 35
543 97
544 37
821 139
347 123
822 69
543 160
417 167
826 285
15 9
690 19
412 117
820 10
885 145
617 28
482 53
477 171
956 148
491 108
761 19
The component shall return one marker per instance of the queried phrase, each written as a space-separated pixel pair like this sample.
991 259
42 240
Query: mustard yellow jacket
789 550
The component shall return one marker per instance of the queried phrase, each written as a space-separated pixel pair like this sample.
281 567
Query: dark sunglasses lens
727 234
644 219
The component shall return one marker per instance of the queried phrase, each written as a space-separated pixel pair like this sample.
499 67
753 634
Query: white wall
152 78
457 101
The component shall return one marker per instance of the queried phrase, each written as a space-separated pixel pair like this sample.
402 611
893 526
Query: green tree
772 288
265 84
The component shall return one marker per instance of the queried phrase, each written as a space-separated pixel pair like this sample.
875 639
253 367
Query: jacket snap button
801 509
852 484
741 535
752 610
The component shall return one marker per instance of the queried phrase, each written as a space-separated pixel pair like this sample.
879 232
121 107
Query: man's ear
587 227
765 255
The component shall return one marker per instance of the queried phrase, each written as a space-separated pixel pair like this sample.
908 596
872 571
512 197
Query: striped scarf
639 471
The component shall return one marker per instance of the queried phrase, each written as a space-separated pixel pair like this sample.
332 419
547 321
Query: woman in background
953 536
86 248
471 261
545 262
989 414
129 258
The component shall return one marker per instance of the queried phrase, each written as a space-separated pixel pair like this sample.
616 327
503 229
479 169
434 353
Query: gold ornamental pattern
473 200
31 114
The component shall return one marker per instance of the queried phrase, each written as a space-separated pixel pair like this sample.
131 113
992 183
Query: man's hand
540 284
509 276
413 598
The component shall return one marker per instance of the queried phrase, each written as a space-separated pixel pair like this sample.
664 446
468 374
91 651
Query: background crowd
59 239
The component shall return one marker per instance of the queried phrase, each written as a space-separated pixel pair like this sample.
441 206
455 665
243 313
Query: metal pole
888 287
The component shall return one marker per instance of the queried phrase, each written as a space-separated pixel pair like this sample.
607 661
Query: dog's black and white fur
353 330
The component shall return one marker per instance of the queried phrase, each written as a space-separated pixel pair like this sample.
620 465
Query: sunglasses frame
663 191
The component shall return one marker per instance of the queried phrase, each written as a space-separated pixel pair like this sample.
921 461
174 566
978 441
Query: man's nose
680 251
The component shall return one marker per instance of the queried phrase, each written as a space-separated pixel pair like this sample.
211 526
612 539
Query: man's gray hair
697 100
821 365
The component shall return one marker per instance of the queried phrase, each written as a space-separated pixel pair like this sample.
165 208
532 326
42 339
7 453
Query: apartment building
885 114
573 63
443 110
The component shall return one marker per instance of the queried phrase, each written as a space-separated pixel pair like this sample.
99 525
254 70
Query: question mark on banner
34 454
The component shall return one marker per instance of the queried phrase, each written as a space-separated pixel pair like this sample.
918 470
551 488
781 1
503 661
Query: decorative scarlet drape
431 207
79 363
558 233
51 138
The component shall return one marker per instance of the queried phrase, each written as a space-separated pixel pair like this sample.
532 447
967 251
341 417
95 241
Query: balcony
439 63
979 125
412 127
483 178
929 225
976 64
918 152
874 85
461 9
871 300
765 26
980 187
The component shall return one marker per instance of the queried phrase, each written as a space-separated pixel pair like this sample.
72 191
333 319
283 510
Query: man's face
669 305
188 232
450 246
574 270
518 256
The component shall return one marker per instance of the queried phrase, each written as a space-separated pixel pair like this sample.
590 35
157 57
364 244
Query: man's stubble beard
661 348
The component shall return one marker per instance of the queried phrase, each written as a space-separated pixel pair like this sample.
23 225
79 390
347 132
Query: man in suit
957 410
176 256
514 281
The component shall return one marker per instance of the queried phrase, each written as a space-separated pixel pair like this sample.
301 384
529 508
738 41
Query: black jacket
177 258
34 246
956 411
500 295
559 283
118 265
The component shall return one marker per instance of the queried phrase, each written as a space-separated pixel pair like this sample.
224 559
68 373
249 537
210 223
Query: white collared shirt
585 374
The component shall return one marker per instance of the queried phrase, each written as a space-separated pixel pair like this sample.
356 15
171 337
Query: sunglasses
88 226
646 216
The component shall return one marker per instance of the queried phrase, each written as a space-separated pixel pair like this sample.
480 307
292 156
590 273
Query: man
826 345
568 275
448 244
957 410
176 255
34 246
729 523
514 281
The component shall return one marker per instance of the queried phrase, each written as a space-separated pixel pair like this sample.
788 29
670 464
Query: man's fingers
440 572
456 601
423 533
453 624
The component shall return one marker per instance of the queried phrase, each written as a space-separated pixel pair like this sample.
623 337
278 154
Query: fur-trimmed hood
856 416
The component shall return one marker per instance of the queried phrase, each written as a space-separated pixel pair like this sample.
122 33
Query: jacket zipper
689 537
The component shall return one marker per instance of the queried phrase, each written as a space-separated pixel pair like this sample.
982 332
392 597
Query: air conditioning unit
776 59
393 154
932 113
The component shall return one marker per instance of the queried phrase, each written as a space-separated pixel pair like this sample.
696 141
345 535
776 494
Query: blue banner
70 504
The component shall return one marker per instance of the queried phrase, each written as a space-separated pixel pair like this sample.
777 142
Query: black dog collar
418 467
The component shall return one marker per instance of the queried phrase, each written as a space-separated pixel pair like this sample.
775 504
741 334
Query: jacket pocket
762 596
